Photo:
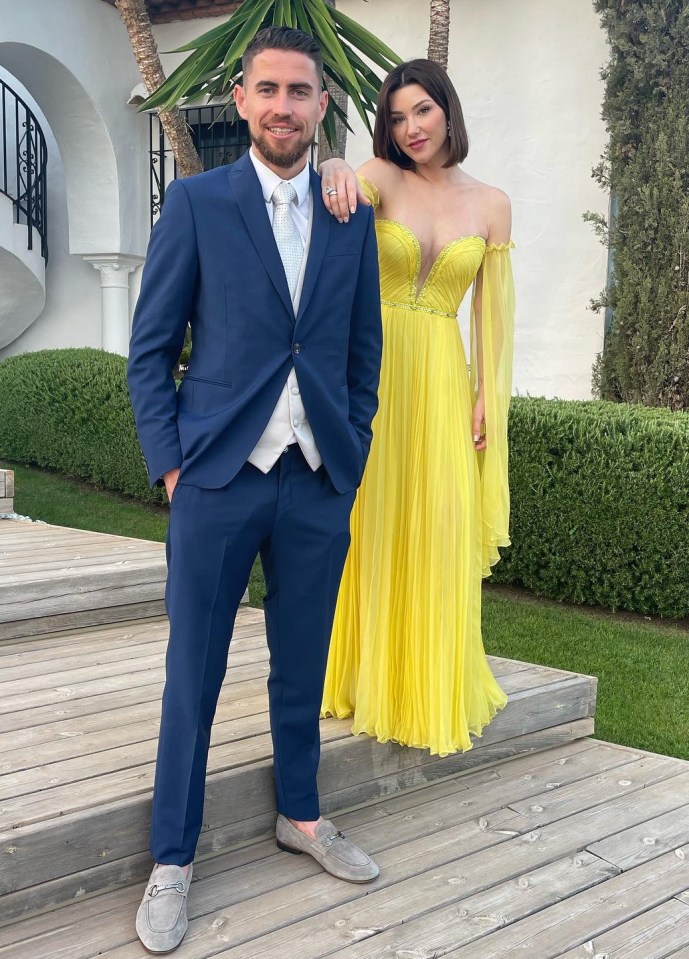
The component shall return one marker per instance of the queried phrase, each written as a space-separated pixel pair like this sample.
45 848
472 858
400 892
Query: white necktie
287 236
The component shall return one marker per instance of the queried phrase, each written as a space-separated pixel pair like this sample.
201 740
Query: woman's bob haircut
438 86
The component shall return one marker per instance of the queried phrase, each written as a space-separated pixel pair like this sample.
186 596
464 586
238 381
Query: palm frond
214 62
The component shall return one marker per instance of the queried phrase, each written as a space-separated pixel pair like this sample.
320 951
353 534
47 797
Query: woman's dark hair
438 86
284 38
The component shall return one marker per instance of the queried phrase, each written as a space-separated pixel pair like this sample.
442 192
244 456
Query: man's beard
283 160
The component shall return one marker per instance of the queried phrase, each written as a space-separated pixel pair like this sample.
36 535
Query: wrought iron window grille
23 173
218 134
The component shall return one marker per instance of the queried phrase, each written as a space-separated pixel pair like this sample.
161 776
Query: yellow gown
406 656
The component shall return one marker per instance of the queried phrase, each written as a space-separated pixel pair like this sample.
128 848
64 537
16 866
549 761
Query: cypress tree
646 168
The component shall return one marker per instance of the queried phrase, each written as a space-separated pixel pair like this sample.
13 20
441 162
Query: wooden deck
52 578
538 842
79 717
578 852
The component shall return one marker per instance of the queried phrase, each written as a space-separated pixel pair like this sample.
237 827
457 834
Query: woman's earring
449 132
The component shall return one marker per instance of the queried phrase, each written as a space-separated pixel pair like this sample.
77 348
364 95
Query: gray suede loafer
162 917
336 854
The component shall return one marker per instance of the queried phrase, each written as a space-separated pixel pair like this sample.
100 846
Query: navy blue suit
213 262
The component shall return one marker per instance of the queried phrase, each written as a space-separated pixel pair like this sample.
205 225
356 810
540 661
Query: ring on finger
331 191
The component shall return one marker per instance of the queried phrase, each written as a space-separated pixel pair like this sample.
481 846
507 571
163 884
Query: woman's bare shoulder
498 211
384 175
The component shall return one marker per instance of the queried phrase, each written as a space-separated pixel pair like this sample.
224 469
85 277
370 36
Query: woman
406 657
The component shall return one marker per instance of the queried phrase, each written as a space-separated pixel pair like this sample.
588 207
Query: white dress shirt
288 423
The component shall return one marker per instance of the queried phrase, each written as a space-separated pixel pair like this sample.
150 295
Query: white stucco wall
528 75
72 61
527 72
71 316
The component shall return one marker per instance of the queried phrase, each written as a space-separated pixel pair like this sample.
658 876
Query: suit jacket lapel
249 196
320 231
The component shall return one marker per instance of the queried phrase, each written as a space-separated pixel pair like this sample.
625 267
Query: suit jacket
212 261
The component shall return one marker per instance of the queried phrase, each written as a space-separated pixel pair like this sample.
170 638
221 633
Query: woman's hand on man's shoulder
340 188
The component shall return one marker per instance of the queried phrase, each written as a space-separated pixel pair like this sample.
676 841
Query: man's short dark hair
284 38
435 81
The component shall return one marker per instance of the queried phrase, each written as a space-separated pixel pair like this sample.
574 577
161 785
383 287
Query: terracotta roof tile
162 11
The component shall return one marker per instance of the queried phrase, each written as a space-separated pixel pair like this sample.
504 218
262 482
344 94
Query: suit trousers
299 523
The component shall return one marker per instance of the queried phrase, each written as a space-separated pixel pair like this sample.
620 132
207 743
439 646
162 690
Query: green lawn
642 666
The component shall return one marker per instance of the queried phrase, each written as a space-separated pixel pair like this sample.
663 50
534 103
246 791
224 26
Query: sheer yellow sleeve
492 336
371 191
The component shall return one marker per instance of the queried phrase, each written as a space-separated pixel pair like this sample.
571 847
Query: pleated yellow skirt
406 657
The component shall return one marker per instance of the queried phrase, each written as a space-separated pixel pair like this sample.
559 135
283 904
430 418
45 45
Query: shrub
646 110
69 410
600 498
600 491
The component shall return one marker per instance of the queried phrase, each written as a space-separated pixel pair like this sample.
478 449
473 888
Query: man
262 449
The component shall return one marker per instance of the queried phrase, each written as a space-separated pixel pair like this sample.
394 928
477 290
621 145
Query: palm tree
136 20
214 64
326 149
439 38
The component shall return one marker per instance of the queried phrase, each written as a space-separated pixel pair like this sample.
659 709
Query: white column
114 281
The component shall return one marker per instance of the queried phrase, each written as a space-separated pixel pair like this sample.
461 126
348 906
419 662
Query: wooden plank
419 776
82 592
47 656
26 667
75 674
445 928
6 504
622 780
248 698
342 772
107 684
543 889
73 703
132 776
109 595
308 920
557 703
654 838
250 788
126 646
6 483
31 556
510 770
22 666
100 565
655 934
582 918
41 646
16 531
16 692
565 763
138 747
20 629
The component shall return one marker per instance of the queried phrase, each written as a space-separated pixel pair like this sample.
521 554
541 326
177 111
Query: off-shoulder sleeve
371 191
492 310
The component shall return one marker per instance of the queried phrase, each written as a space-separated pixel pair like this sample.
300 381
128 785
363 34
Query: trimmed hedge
600 491
69 410
600 499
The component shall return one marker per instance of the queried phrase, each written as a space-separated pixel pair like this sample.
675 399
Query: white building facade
528 76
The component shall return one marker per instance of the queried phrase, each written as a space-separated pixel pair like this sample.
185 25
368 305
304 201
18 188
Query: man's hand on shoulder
170 479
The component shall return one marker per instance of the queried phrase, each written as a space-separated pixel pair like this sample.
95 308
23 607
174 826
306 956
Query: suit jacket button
296 348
